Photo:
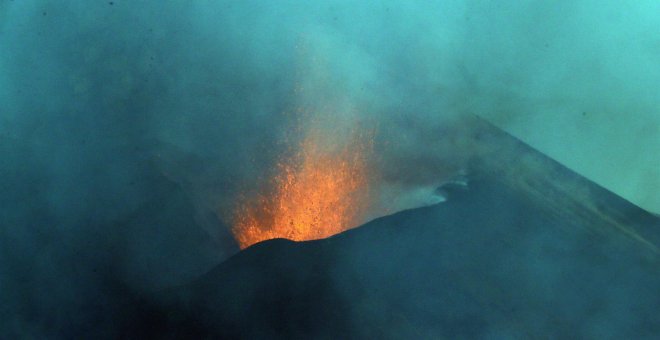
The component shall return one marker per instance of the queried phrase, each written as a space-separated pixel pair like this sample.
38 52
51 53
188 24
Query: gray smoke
104 104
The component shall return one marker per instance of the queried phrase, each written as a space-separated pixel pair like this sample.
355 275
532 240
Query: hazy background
128 128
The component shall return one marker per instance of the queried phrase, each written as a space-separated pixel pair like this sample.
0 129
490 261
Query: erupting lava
320 191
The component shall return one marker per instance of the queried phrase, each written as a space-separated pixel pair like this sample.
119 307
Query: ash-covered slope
529 249
524 251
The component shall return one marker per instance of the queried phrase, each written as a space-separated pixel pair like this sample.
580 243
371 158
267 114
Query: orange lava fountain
320 191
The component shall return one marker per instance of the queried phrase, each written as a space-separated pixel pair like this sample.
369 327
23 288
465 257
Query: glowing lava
320 191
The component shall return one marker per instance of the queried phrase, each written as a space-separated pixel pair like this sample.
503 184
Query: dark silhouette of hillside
528 249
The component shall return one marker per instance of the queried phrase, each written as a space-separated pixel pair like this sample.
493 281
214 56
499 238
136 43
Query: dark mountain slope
529 249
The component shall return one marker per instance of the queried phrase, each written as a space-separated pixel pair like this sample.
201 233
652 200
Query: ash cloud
110 109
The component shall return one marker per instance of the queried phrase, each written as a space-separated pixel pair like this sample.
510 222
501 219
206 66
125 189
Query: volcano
527 249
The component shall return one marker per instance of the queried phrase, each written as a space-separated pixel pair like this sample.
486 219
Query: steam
99 102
